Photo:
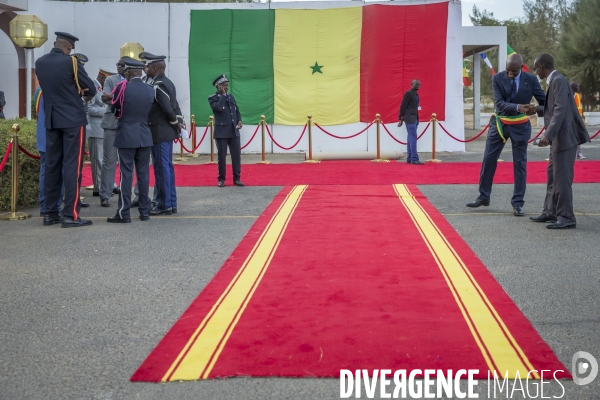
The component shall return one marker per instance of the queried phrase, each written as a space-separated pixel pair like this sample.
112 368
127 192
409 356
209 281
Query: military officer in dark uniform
165 122
65 119
131 104
228 122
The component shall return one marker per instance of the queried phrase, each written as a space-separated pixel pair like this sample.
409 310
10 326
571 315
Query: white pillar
28 63
501 57
476 91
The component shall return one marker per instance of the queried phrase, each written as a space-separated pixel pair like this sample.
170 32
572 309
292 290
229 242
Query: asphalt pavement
80 309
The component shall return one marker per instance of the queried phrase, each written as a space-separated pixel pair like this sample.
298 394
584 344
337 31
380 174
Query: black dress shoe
174 210
144 217
417 163
84 205
118 220
104 203
116 190
518 211
562 225
51 219
221 183
238 183
543 218
479 203
96 194
158 211
75 223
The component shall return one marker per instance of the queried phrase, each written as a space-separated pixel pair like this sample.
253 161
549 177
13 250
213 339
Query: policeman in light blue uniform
131 104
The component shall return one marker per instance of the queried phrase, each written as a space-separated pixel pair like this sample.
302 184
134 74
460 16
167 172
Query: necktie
513 90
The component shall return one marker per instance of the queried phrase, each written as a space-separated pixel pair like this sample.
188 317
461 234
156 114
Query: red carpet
349 277
365 173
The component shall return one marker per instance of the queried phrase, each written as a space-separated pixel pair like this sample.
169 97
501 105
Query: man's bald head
514 65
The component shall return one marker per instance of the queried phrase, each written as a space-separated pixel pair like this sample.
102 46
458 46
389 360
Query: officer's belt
514 120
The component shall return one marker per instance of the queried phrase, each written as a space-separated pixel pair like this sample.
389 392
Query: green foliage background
29 169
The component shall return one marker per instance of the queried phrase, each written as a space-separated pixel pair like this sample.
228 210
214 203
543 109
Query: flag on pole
466 80
510 51
488 63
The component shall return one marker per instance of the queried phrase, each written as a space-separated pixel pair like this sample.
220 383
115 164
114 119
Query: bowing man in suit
565 130
131 104
228 122
513 90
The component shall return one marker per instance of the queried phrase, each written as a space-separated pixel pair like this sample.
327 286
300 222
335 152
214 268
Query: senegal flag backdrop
342 65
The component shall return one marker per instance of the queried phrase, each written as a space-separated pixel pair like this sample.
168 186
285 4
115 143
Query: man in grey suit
565 130
95 135
109 124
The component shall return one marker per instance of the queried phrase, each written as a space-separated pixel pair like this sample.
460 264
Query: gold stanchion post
433 136
378 122
13 215
181 157
309 127
211 124
262 128
193 136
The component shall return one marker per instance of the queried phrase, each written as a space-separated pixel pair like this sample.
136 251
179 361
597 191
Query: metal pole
309 127
433 139
262 129
211 123
193 136
378 122
13 215
28 57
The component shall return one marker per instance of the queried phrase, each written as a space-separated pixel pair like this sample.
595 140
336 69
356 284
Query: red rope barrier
424 130
85 153
538 135
392 136
251 139
28 154
203 136
180 141
464 141
5 158
595 134
343 137
286 148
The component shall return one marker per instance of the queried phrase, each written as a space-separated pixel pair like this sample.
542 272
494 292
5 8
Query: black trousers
559 186
64 163
493 148
139 159
236 156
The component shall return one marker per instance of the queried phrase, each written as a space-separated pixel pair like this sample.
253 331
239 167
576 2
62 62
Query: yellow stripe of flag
316 61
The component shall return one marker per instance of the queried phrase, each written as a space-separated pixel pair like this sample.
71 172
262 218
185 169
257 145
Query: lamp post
29 32
131 49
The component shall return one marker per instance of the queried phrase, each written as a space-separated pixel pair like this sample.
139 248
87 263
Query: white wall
9 76
163 28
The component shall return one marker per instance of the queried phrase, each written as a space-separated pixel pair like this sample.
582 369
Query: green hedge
29 169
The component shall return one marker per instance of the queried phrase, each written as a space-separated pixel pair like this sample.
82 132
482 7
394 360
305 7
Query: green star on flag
317 68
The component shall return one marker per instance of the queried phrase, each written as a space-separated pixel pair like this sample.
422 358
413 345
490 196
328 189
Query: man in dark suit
131 104
165 121
2 104
565 130
64 82
409 113
513 90
228 122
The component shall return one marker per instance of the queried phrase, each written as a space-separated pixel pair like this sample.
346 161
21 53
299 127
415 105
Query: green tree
579 48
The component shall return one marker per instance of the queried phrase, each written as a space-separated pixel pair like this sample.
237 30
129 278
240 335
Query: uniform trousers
42 185
164 175
96 147
109 164
64 164
559 186
130 159
236 156
136 189
493 149
411 146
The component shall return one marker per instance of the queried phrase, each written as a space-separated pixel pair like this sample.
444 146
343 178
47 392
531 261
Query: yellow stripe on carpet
202 350
498 347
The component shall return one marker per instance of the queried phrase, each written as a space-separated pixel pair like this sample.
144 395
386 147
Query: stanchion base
433 160
499 160
192 155
180 159
311 161
14 216
380 160
211 162
264 162
91 187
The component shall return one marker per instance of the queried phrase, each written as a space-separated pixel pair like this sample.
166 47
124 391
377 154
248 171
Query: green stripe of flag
238 43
